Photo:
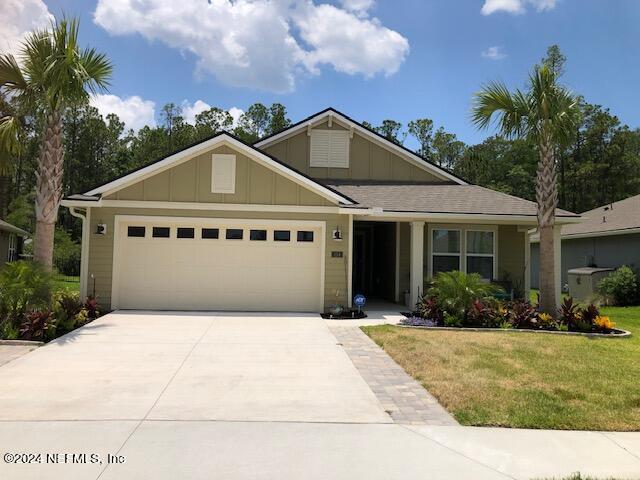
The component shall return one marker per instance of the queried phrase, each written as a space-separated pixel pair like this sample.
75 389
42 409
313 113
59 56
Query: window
480 248
210 233
161 232
12 253
329 148
234 234
304 236
260 235
223 173
135 232
446 250
281 235
186 232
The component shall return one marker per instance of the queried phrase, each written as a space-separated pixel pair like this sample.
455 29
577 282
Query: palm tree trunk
48 189
547 200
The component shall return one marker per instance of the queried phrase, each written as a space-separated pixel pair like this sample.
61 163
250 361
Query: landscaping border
619 333
21 342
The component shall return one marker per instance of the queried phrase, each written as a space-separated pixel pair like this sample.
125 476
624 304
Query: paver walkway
401 396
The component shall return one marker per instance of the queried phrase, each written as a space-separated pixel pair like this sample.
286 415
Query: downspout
84 259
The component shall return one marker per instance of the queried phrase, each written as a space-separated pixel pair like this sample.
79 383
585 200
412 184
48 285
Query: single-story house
301 220
11 242
607 236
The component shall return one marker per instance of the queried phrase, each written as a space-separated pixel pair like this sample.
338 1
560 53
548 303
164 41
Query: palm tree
548 114
51 73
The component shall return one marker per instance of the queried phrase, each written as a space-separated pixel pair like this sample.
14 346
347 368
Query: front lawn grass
66 284
526 380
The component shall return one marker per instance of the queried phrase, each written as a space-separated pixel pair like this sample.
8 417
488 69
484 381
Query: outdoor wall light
337 234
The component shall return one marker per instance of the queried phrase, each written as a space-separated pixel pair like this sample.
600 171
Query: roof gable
220 139
331 115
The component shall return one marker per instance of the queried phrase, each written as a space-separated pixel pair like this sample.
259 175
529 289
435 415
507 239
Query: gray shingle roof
437 198
614 218
7 227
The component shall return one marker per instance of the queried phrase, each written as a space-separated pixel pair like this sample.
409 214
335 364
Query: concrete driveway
201 396
134 366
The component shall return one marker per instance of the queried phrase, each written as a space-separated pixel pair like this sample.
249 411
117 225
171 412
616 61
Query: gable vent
223 173
329 148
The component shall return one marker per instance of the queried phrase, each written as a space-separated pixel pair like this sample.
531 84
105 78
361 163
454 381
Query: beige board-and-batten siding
191 182
367 160
101 246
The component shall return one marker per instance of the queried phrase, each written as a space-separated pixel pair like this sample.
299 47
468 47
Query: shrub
23 286
36 325
576 318
521 314
8 329
69 312
604 323
546 322
427 307
452 320
620 286
482 314
66 253
91 306
455 291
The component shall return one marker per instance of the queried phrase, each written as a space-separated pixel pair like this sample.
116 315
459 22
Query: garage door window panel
305 236
161 232
234 234
210 233
281 235
258 235
186 232
136 232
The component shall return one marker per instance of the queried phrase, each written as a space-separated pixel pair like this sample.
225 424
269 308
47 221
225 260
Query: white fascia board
231 207
221 139
610 233
335 116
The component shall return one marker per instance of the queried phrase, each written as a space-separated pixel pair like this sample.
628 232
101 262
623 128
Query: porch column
527 265
350 264
557 262
417 261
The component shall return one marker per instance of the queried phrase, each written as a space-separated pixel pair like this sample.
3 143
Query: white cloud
357 6
18 18
516 7
252 43
350 44
494 53
133 111
235 113
190 110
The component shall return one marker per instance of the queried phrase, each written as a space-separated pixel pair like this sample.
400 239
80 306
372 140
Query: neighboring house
11 241
607 236
301 220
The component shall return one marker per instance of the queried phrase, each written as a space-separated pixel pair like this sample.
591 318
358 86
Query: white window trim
463 229
492 255
13 245
329 163
225 156
431 243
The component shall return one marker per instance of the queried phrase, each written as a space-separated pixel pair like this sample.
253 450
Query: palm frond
11 77
10 145
496 103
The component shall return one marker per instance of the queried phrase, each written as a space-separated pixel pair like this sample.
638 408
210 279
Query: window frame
463 229
492 255
439 254
12 251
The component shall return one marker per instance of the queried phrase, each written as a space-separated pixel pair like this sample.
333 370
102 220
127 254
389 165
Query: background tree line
601 164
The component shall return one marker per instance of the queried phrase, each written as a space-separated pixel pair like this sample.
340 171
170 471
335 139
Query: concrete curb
21 342
619 333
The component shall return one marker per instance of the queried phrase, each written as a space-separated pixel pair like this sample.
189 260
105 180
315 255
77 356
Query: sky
371 59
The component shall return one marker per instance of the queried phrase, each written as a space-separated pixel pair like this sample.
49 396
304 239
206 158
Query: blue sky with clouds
373 60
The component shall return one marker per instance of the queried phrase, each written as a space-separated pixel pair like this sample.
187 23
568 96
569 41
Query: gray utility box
583 282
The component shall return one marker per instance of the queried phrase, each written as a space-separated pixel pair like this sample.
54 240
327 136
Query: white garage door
197 264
